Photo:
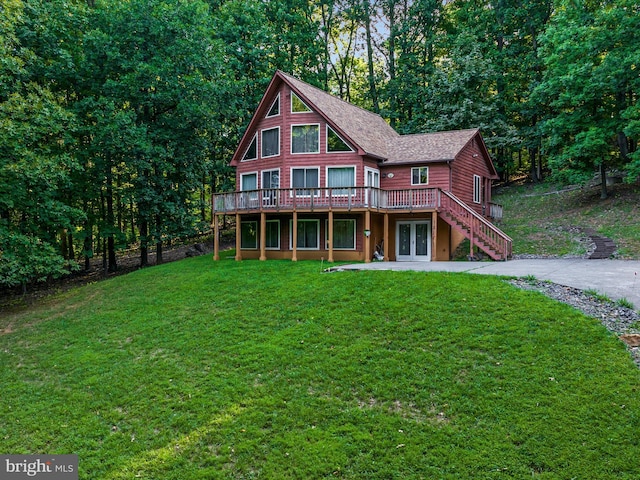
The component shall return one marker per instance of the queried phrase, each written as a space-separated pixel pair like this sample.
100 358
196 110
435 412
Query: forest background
118 118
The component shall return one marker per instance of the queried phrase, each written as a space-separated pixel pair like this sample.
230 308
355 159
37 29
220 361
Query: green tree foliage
150 66
35 166
591 87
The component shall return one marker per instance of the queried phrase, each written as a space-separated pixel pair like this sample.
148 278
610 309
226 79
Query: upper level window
249 181
271 142
335 143
303 179
341 177
297 105
252 151
274 111
305 139
420 176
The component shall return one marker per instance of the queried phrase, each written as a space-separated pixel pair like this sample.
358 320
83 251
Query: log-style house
318 178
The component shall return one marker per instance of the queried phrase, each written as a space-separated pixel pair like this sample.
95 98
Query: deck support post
263 236
216 237
434 236
471 240
330 259
385 238
294 237
367 238
238 237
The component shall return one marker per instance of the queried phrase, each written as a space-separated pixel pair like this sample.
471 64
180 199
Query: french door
413 241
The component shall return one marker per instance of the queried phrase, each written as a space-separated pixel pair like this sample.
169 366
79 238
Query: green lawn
275 370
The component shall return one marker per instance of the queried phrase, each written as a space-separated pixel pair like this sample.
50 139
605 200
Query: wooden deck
478 229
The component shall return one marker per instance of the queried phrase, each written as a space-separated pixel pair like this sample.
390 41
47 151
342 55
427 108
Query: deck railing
274 199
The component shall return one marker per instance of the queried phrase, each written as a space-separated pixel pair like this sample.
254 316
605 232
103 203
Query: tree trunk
159 258
110 220
391 6
603 181
144 249
370 62
88 247
72 255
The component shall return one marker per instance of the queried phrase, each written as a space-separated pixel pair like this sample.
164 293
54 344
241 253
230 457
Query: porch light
367 232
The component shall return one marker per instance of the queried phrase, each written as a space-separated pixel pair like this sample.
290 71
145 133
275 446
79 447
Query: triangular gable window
252 151
274 111
335 143
297 105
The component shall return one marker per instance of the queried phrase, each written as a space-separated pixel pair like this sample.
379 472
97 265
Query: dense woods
118 118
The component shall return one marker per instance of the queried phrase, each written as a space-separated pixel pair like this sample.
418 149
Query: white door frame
419 248
371 179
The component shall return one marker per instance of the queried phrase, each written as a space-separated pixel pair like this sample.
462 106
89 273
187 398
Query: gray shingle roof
428 147
366 129
375 136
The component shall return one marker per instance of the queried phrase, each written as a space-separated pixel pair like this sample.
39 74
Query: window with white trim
297 105
344 234
249 235
305 138
420 176
308 234
271 142
304 179
249 181
341 177
335 143
274 111
271 178
270 186
272 235
252 151
477 189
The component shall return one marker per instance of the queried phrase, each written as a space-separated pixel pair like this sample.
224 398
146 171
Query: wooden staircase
480 232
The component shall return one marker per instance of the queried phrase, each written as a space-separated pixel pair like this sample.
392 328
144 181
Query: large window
305 179
271 179
297 105
305 139
272 236
249 181
341 177
252 151
308 235
344 234
271 142
420 176
248 235
335 143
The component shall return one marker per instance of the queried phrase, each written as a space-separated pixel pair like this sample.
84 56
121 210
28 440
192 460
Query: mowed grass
205 370
545 220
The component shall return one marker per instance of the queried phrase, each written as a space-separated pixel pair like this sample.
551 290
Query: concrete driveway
614 278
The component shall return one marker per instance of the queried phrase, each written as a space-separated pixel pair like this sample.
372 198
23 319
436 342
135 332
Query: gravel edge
617 319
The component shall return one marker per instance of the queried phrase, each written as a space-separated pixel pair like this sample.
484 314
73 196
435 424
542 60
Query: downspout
450 182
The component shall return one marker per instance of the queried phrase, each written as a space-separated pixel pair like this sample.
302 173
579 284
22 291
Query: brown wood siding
463 168
438 176
285 227
286 160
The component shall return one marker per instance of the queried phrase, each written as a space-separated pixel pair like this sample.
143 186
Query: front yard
201 369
